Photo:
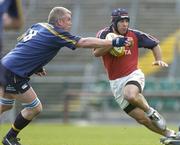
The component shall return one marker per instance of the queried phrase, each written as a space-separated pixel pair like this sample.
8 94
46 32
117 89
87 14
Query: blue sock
18 125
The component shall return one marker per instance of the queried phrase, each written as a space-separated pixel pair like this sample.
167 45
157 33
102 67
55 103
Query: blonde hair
57 13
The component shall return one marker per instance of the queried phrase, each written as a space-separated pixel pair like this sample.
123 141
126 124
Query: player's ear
60 22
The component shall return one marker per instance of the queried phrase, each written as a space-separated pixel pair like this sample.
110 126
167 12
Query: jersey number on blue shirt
29 35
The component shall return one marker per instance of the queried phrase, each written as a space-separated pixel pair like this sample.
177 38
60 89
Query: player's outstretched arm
158 57
122 41
92 42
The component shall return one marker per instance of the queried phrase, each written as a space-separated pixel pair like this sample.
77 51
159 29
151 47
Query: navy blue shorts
2 77
14 83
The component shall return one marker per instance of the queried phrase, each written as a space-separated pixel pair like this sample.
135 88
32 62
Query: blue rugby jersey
37 47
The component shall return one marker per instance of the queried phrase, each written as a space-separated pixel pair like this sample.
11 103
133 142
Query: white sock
150 111
170 133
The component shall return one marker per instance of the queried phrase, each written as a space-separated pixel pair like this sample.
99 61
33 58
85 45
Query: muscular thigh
25 97
129 86
130 90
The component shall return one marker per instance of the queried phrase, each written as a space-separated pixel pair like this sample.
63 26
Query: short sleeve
102 33
67 39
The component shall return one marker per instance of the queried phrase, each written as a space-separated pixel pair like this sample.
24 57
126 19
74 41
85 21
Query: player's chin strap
114 24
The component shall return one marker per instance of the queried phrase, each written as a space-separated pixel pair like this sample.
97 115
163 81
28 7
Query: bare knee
38 109
4 108
130 93
30 113
130 97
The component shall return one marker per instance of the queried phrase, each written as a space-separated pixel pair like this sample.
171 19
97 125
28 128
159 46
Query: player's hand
129 42
160 63
119 41
122 41
41 72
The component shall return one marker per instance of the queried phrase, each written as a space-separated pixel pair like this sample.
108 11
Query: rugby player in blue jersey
35 48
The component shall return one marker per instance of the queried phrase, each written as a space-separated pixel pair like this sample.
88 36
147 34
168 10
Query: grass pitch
58 134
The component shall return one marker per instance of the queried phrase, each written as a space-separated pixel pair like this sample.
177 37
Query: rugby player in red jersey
126 79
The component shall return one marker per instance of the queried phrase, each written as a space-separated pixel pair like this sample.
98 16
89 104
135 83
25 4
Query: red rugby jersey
117 67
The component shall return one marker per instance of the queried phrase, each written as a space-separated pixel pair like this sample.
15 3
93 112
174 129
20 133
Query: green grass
58 134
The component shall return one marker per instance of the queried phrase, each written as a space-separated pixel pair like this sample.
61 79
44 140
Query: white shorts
118 85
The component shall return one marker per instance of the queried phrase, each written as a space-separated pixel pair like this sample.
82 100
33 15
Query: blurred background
77 88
